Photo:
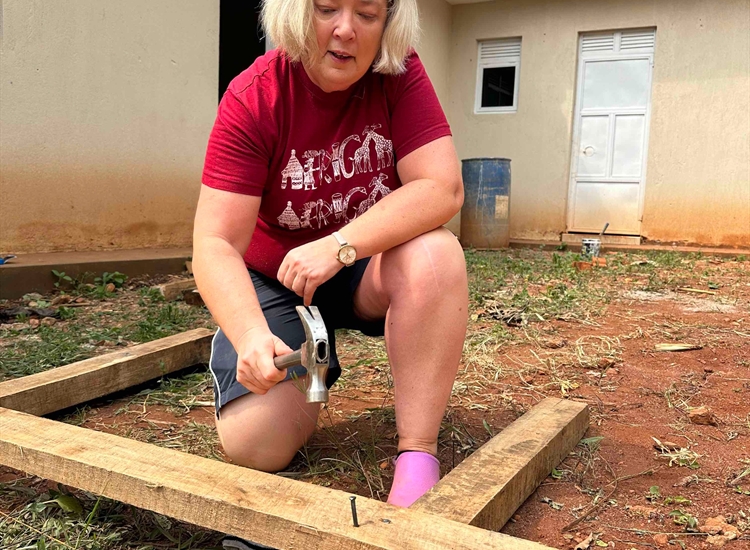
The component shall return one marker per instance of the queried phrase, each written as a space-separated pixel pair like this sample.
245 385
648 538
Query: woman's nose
344 29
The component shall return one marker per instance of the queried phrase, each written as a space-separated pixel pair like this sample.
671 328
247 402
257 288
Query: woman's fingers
255 367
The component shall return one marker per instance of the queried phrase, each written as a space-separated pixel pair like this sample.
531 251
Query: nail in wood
354 511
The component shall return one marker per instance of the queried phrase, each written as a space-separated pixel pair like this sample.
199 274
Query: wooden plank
264 508
172 291
489 486
63 387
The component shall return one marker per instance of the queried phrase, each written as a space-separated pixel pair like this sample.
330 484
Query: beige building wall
435 52
106 108
698 173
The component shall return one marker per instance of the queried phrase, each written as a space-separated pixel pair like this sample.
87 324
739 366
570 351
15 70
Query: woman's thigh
264 432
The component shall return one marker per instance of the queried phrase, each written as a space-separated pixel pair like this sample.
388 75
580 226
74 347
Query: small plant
66 313
681 457
116 278
653 493
680 517
105 285
150 295
62 277
592 444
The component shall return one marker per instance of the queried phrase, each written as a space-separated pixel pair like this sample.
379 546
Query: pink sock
416 473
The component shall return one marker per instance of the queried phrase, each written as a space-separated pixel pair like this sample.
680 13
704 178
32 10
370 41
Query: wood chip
677 347
697 290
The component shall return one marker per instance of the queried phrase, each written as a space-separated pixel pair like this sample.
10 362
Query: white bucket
590 248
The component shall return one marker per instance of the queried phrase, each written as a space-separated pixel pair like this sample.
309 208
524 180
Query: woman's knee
256 449
263 432
433 263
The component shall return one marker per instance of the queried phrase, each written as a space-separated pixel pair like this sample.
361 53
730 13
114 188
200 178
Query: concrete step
33 272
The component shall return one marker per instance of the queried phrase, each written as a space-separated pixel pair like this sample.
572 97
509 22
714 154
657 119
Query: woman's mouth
340 56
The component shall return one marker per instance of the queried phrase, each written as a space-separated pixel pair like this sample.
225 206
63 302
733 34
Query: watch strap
341 240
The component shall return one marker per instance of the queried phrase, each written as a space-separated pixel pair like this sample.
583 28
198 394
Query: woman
339 130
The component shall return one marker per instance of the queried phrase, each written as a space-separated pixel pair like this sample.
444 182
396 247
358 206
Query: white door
610 137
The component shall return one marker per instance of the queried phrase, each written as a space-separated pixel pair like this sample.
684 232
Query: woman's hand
256 349
307 267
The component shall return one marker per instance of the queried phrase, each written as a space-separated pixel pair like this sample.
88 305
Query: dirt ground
654 469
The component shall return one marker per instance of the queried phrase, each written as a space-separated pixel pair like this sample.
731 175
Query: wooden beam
63 387
489 486
264 508
172 291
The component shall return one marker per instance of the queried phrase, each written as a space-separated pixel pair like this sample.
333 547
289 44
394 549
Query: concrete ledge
33 272
613 247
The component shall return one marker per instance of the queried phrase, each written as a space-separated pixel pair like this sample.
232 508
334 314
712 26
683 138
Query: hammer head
315 354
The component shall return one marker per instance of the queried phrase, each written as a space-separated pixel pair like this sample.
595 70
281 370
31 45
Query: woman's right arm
224 225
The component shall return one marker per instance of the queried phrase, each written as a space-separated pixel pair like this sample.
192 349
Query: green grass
86 333
76 520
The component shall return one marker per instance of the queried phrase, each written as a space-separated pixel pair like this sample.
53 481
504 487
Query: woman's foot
416 473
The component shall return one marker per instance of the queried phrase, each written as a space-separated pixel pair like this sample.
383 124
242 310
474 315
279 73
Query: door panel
616 203
616 84
627 156
592 160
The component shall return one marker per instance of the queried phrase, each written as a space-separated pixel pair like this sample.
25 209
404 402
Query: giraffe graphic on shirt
362 154
383 148
370 201
346 203
293 171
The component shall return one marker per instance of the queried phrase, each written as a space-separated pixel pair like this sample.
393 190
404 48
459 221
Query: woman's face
348 34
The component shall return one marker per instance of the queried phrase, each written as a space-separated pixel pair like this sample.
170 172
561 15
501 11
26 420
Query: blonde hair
289 25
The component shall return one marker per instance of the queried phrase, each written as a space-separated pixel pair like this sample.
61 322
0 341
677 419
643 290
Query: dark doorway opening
241 38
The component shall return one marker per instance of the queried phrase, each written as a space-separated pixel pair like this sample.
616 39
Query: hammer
313 355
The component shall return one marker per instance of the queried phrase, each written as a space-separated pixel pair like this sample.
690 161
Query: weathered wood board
264 508
172 291
489 486
63 387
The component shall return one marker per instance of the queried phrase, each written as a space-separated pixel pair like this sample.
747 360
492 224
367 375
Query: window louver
637 40
598 43
499 50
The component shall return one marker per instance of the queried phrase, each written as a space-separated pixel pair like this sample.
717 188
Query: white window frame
510 57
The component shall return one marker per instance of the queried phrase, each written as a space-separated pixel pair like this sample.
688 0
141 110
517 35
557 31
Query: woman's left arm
430 195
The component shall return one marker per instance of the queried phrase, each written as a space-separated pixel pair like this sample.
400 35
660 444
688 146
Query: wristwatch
347 254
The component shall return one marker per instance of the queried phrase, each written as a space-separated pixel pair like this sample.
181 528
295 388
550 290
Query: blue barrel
486 211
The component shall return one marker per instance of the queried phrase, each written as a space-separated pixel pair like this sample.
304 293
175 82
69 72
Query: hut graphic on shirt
288 218
294 171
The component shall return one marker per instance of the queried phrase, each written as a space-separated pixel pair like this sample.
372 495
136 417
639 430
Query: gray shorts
334 299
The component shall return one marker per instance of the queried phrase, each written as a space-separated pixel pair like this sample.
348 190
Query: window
497 76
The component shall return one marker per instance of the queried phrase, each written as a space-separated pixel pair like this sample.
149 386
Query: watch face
347 255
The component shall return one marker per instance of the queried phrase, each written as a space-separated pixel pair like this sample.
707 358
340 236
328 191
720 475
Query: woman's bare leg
264 432
421 289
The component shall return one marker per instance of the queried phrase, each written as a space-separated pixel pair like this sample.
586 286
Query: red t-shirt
318 159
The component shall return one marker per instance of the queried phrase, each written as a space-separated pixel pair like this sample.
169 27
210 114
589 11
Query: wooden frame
466 507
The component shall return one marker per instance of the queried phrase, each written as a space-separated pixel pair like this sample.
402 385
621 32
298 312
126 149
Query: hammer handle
290 360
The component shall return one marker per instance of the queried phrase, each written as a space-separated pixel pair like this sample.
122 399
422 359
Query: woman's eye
325 11
368 16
